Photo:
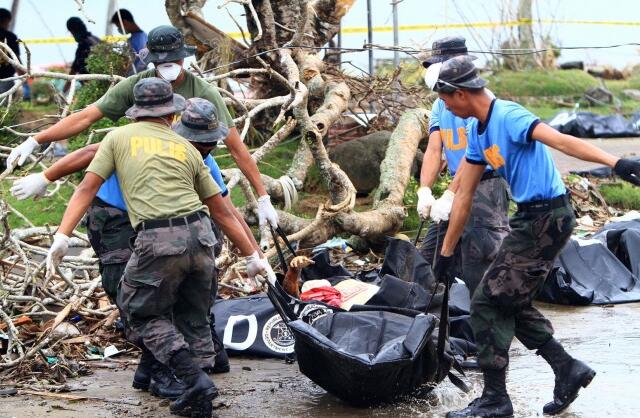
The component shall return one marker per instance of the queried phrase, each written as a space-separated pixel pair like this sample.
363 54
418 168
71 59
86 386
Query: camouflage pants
488 224
501 307
109 231
166 290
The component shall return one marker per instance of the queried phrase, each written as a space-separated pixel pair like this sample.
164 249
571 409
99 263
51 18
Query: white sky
50 22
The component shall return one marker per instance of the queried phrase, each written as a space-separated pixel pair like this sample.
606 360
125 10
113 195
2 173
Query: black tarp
592 125
623 240
587 272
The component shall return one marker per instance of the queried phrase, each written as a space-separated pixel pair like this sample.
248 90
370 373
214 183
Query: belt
163 223
547 204
489 175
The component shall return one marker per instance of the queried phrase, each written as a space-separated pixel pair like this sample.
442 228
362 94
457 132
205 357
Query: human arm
79 202
243 223
72 163
76 208
225 218
461 207
65 128
248 166
35 185
432 160
441 208
570 145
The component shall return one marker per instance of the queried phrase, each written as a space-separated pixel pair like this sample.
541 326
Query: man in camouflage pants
109 232
488 223
514 142
173 260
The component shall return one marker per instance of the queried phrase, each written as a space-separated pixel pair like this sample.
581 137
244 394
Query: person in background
85 41
9 38
123 20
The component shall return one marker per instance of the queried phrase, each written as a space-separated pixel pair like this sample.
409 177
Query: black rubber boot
200 390
494 402
222 360
164 384
142 376
571 375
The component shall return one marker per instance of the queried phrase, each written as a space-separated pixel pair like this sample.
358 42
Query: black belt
544 205
489 175
163 223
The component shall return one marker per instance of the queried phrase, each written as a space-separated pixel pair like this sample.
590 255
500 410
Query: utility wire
414 51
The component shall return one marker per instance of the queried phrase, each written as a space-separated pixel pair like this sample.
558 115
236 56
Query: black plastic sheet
587 272
591 125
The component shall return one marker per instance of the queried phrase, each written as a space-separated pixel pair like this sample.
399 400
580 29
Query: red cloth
327 294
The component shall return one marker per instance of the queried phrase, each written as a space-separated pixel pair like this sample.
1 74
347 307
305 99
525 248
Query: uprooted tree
282 58
294 88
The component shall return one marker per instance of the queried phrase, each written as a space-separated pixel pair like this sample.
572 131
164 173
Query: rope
289 192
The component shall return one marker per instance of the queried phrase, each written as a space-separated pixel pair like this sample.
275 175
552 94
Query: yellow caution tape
69 40
363 29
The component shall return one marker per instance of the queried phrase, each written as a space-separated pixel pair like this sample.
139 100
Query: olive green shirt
161 175
119 98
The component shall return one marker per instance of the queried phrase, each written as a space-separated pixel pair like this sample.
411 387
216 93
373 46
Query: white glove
266 211
259 266
425 201
442 207
58 249
33 185
22 151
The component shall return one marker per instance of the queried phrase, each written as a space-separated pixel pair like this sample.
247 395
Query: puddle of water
606 338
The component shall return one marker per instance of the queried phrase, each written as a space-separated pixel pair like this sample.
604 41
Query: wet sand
606 337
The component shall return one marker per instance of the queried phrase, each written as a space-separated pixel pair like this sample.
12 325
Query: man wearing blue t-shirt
488 223
123 19
515 144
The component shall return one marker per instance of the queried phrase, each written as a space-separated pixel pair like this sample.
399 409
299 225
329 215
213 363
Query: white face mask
169 70
432 74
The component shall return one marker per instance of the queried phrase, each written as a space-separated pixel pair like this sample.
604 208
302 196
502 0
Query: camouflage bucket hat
154 97
458 73
165 44
446 48
199 122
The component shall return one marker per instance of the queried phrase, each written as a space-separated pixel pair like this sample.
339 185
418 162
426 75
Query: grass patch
506 84
41 211
621 195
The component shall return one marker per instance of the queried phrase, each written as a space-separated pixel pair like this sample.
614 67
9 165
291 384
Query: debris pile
50 326
593 212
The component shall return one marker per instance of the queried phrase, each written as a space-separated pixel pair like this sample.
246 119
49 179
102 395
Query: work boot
494 402
571 375
142 376
200 390
163 382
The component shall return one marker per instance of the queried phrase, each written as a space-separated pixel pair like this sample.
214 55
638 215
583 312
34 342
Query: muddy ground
608 338
620 147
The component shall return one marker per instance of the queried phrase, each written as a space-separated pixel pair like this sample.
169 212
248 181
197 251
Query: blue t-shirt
138 41
110 191
504 141
453 131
